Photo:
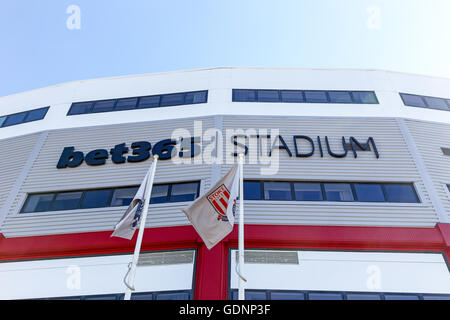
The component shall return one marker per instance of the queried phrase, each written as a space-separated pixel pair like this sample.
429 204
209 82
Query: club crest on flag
219 200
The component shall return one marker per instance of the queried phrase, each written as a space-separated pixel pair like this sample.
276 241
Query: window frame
111 195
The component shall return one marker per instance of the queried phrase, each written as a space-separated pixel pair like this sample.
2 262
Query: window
96 199
22 117
159 194
277 191
436 103
252 190
268 96
155 101
195 97
400 193
126 104
332 295
414 100
80 108
38 203
305 191
369 192
172 99
330 191
183 192
14 119
101 198
338 192
241 95
37 114
302 96
316 96
104 106
366 97
292 96
123 196
340 97
66 201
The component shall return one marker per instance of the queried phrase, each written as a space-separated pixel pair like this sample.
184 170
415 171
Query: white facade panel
59 278
350 271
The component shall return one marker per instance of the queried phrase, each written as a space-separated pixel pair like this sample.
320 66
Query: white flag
212 215
130 220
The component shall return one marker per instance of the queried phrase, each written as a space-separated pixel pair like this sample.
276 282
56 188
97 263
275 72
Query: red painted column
211 273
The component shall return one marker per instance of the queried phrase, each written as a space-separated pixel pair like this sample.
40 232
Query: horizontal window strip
333 295
304 96
330 191
110 197
23 117
414 100
144 102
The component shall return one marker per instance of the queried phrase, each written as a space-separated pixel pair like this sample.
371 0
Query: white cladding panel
430 137
14 153
88 276
395 164
45 177
350 271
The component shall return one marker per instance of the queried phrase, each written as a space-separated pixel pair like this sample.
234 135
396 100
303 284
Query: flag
130 220
212 215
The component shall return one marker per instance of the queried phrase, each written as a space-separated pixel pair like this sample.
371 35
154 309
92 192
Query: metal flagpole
241 295
137 248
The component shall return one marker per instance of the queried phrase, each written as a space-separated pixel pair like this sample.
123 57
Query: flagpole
241 295
137 248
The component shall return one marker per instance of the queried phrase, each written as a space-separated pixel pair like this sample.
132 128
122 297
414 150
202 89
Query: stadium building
347 176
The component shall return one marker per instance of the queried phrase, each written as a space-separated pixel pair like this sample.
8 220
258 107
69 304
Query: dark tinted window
14 119
364 97
436 103
340 97
338 192
159 194
277 191
268 96
149 102
400 193
37 114
252 190
292 96
242 95
141 296
66 201
126 104
363 296
316 96
183 192
104 106
38 203
287 296
172 99
80 108
123 196
370 192
413 100
195 97
2 120
173 296
325 296
96 199
305 191
435 297
401 297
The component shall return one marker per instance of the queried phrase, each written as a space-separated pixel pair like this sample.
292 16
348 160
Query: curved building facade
346 184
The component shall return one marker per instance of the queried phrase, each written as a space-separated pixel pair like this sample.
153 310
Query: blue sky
145 36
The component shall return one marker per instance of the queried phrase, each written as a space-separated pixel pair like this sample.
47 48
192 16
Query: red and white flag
212 215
